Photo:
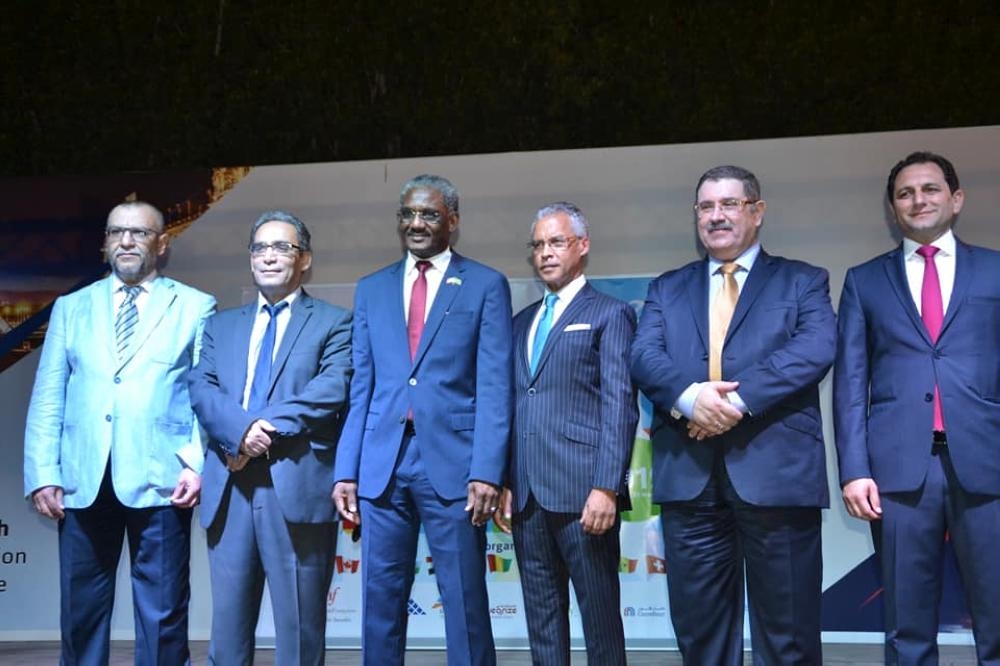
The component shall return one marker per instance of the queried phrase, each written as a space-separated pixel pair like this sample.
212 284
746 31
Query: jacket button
107 417
531 391
928 397
402 419
413 381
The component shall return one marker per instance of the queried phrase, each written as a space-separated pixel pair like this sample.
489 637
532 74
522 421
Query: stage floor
47 653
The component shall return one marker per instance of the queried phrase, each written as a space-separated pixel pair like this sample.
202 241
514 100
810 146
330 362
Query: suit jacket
87 405
779 345
575 419
459 385
309 389
887 367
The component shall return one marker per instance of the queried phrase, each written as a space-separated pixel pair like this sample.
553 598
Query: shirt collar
571 289
945 244
147 284
744 261
438 261
261 301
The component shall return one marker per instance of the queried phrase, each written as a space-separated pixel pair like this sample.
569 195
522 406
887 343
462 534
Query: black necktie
262 371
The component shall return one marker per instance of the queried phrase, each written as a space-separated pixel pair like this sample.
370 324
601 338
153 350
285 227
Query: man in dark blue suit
575 414
269 389
730 351
425 440
917 397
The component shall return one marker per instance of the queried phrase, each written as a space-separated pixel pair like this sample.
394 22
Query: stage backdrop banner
826 205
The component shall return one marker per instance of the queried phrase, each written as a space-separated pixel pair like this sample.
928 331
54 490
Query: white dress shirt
434 275
944 259
257 335
566 295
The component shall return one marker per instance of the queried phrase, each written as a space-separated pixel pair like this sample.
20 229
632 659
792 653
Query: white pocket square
577 327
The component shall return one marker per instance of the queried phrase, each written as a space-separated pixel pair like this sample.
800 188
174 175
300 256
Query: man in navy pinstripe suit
574 424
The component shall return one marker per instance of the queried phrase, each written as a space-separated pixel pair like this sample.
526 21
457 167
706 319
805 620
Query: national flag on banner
497 563
627 565
655 565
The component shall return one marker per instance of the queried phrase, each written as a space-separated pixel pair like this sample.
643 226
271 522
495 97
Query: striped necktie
126 319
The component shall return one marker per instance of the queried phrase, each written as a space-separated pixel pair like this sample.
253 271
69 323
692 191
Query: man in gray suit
574 424
112 447
269 390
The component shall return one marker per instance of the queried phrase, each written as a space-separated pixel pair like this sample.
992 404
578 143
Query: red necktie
932 312
418 308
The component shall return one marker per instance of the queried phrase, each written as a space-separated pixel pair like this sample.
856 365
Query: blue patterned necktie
542 332
126 319
262 371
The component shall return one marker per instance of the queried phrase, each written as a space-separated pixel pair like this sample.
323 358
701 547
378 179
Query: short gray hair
282 216
577 220
432 182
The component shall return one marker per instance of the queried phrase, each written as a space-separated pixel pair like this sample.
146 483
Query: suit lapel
895 271
761 272
964 270
396 327
161 295
102 317
522 326
697 287
239 349
451 284
583 297
301 312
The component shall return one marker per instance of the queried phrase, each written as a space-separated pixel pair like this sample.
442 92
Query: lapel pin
454 280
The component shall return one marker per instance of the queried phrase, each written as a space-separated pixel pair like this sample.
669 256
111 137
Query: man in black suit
574 424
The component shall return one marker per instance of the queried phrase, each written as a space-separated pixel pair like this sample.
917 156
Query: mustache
720 226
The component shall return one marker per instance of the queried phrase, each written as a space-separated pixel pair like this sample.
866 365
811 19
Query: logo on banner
644 611
505 611
627 565
413 608
655 565
499 564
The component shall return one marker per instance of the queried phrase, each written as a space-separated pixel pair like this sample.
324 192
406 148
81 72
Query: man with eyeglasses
575 414
112 448
731 350
917 398
269 390
425 440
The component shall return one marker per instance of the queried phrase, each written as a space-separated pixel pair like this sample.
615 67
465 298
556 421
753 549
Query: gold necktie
720 316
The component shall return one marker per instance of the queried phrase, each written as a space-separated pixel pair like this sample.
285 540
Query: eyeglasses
728 206
284 248
138 233
428 215
557 243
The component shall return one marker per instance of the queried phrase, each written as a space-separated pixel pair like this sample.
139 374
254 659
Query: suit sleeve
494 385
654 371
806 356
46 411
310 410
218 410
362 384
619 410
192 455
851 380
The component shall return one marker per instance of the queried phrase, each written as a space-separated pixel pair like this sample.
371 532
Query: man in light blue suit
917 399
112 448
731 350
575 414
425 440
269 390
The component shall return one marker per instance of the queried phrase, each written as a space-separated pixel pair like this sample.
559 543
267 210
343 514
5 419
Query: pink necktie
932 312
418 308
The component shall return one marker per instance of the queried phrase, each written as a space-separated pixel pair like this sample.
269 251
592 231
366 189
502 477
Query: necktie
418 308
932 312
262 371
720 316
542 332
126 319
